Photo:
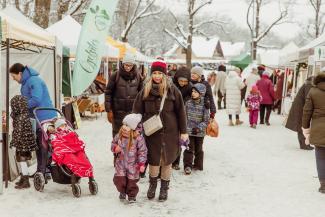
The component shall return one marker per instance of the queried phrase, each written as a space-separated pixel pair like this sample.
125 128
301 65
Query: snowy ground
253 173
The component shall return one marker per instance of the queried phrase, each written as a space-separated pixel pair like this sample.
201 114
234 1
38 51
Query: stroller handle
45 109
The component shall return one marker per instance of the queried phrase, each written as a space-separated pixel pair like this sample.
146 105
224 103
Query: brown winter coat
120 94
314 112
294 121
166 140
279 87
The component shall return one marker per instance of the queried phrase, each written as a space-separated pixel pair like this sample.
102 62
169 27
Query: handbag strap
163 102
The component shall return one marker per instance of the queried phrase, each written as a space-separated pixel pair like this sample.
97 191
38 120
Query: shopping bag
213 128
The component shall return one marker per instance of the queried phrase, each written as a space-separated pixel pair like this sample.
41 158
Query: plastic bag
213 128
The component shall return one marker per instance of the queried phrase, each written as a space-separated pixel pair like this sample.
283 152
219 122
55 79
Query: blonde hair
132 135
163 86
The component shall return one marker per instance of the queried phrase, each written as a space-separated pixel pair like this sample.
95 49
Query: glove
212 114
206 103
306 133
110 116
195 130
142 169
117 149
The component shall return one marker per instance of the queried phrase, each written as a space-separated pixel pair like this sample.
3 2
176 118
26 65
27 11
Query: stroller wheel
76 190
93 187
39 181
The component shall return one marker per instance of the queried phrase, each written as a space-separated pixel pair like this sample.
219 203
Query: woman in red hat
163 147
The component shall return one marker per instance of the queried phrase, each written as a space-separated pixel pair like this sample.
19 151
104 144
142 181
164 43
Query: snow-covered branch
177 39
267 30
179 26
247 18
212 21
136 16
200 7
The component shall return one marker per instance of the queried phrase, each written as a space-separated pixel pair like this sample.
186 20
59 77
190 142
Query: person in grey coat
294 121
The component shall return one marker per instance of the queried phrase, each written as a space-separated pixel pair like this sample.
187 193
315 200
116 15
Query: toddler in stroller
69 160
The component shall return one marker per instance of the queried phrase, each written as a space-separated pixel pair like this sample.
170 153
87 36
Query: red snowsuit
69 150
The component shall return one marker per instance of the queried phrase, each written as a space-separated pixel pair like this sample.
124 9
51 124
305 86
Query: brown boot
152 188
322 186
239 122
20 180
24 183
163 195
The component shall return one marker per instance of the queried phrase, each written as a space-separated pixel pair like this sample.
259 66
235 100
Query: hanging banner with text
91 44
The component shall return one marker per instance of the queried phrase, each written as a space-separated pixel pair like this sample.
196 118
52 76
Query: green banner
91 44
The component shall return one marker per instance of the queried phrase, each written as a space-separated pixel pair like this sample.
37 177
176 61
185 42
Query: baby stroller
61 174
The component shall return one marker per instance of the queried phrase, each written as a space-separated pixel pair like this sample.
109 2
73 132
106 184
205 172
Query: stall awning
16 26
241 61
123 47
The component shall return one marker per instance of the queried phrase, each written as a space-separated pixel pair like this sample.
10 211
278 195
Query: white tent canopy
16 26
70 38
269 58
288 54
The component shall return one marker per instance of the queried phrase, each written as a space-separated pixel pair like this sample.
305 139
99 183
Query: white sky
237 9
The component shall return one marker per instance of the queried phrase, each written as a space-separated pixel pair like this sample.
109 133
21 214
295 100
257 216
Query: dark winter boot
163 195
24 183
267 118
322 186
152 188
20 180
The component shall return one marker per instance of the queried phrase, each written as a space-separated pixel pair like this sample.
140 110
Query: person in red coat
267 91
279 92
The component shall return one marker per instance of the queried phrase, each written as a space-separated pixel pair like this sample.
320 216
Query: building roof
232 49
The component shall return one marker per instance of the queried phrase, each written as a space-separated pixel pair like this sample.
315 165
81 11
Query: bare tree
257 33
137 15
186 37
69 7
318 25
42 10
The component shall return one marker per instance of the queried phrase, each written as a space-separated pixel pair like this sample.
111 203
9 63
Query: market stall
25 42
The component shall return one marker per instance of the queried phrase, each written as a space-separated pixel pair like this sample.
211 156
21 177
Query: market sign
91 44
319 54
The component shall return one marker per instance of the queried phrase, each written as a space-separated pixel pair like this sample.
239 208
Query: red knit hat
160 66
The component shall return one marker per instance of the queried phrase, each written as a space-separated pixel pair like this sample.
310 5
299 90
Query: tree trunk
42 12
63 7
317 21
190 35
254 50
257 30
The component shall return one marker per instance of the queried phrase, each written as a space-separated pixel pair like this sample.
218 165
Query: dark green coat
314 112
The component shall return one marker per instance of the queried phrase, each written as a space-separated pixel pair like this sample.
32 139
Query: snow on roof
204 48
314 43
69 38
288 54
201 47
289 48
269 57
232 49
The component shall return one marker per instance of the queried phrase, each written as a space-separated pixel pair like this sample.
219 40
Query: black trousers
177 161
195 152
41 153
265 117
320 162
301 139
230 117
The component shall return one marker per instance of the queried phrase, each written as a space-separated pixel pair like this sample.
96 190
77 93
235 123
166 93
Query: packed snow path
247 172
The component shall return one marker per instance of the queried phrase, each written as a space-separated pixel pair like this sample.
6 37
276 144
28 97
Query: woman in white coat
233 85
251 80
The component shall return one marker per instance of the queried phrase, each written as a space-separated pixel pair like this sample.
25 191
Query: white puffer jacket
250 81
233 86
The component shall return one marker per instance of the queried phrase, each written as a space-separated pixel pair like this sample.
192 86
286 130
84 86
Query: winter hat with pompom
160 66
254 89
132 120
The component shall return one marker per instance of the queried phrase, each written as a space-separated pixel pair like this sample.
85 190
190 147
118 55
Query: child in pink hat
254 100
